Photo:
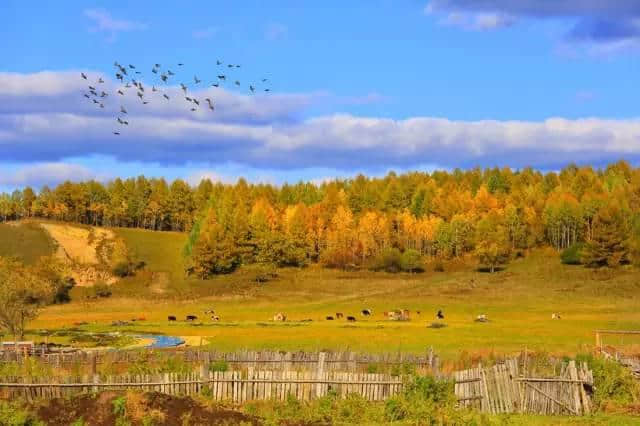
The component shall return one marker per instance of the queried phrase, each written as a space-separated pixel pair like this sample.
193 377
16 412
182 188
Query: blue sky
365 87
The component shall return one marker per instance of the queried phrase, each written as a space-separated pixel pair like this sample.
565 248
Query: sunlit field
518 302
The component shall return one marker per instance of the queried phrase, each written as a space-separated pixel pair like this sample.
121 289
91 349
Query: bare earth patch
84 248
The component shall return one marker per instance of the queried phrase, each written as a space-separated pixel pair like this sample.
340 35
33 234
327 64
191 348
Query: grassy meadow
27 241
518 301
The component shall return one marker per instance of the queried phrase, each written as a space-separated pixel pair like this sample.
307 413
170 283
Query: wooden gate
501 389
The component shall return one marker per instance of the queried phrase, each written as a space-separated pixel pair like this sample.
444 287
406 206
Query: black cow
191 317
329 318
350 318
366 312
339 315
440 315
171 318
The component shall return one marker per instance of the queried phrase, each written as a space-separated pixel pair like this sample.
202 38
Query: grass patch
25 240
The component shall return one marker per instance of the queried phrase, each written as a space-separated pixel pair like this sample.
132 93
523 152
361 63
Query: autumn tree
492 242
22 293
608 244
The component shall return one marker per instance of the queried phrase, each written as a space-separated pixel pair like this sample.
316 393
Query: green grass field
26 241
518 301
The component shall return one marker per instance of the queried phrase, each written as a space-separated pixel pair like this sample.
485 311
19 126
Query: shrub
122 269
411 261
13 415
613 383
572 255
390 260
219 366
101 290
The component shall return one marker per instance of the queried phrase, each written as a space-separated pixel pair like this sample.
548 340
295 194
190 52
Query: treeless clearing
76 243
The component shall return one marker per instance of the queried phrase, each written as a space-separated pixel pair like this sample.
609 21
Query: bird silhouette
193 109
195 101
138 72
267 90
165 96
222 77
184 88
145 102
218 62
180 65
101 105
230 65
116 133
237 66
188 98
140 95
153 89
93 92
83 75
157 65
119 76
122 110
196 79
95 101
132 67
237 83
121 92
264 80
86 96
253 89
104 94
440 315
100 80
92 88
155 71
163 78
170 73
120 121
215 84
127 85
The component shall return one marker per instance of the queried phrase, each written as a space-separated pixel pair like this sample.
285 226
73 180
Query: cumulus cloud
104 22
40 174
268 133
612 24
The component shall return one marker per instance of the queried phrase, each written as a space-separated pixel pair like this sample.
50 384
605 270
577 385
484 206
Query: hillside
518 301
26 240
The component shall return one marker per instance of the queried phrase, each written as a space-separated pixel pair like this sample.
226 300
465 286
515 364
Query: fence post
320 373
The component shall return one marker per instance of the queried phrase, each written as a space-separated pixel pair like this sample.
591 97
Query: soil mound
160 409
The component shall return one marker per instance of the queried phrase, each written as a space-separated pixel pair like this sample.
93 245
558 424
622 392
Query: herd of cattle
395 315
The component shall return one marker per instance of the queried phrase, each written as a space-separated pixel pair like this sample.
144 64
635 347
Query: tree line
390 222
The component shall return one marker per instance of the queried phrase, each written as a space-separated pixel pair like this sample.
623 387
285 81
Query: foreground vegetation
424 401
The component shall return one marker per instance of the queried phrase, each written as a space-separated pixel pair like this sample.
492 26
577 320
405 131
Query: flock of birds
130 78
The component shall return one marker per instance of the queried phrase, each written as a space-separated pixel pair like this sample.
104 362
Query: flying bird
157 65
155 71
101 105
86 96
122 110
121 92
140 95
184 88
264 80
215 84
163 78
83 75
165 96
188 98
100 80
170 73
193 109
153 89
195 101
119 76
103 94
116 133
138 72
180 65
237 83
252 88
95 101
195 78
222 77
267 90
145 102
230 65
93 92
92 88
127 85
132 67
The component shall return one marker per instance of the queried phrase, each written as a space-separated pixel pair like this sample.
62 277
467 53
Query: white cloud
40 174
268 132
478 21
104 22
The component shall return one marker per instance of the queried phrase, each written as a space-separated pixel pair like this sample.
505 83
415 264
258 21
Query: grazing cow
171 318
191 318
280 317
417 312
142 319
366 312
482 318
209 312
215 318
339 315
351 319
440 314
329 318
555 316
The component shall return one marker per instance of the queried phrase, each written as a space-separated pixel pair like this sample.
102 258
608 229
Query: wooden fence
233 386
501 389
264 360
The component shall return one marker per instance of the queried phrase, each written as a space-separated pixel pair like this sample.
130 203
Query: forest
396 222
